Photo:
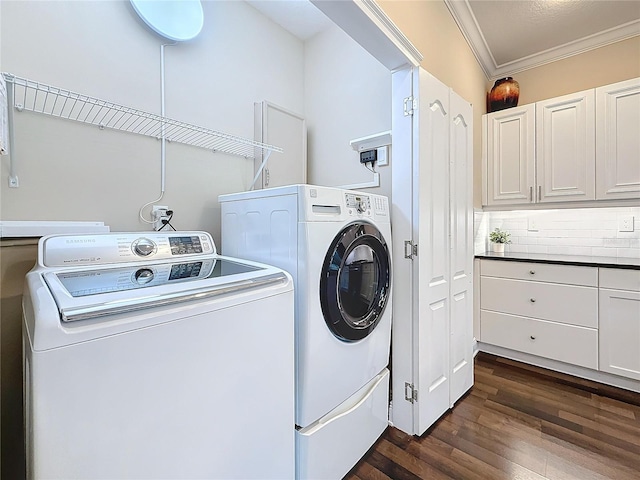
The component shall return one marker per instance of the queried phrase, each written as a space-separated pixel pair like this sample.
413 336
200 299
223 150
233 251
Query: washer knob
361 207
143 247
143 276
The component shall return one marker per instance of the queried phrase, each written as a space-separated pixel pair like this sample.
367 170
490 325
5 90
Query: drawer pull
532 300
532 272
532 337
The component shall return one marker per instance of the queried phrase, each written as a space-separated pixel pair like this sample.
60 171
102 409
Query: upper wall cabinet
618 140
509 142
579 147
565 148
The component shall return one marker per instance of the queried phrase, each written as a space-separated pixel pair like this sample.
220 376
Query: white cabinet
619 299
546 310
618 140
579 147
432 250
565 148
276 125
510 156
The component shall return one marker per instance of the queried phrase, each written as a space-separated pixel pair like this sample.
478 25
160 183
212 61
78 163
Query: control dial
143 247
143 276
361 207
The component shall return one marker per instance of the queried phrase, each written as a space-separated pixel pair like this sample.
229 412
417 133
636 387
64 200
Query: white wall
347 96
575 231
70 171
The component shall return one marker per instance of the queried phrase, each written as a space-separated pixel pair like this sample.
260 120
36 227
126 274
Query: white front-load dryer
336 244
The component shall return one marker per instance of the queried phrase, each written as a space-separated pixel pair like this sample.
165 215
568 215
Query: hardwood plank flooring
518 422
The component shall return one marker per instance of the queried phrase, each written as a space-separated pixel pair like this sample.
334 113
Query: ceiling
506 36
512 36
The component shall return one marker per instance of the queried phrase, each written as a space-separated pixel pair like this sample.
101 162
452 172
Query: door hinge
410 249
267 177
410 105
410 393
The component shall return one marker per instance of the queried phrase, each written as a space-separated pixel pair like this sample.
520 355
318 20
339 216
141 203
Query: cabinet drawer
541 272
571 304
565 343
620 279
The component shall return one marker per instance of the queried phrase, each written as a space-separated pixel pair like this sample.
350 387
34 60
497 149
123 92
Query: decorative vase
504 94
498 247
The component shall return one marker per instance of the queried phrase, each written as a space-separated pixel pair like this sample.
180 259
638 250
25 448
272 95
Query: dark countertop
580 260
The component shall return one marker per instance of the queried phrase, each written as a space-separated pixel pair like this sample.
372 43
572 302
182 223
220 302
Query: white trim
357 186
393 33
466 20
593 375
367 24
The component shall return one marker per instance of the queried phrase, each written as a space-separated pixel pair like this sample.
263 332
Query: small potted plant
498 239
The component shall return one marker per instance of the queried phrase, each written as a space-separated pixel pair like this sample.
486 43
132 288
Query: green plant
500 236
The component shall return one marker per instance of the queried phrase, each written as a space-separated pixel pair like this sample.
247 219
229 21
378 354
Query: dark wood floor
518 422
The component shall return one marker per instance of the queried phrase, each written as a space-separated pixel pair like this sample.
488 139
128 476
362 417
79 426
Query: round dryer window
355 280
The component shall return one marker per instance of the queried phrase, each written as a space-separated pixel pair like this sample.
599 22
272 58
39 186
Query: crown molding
597 40
466 21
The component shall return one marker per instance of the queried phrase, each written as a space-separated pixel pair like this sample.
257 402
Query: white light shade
177 20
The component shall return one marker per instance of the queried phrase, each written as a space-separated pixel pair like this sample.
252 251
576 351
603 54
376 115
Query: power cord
372 168
167 221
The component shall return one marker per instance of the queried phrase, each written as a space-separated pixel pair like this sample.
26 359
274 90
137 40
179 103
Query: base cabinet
619 314
585 317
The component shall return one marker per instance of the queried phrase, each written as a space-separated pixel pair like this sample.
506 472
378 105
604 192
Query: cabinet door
278 126
510 154
565 148
618 140
461 212
619 332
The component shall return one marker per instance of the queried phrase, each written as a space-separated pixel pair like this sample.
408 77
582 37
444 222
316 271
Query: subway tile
617 242
604 252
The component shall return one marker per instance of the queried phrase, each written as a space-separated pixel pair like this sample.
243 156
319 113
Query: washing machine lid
88 293
355 281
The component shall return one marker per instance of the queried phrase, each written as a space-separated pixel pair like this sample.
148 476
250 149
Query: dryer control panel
357 203
110 248
361 205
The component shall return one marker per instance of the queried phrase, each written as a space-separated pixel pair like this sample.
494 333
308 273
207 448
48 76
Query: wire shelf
41 98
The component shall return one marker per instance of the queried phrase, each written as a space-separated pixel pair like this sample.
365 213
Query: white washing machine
337 246
147 355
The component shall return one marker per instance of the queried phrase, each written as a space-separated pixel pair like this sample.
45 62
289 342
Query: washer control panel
106 280
108 248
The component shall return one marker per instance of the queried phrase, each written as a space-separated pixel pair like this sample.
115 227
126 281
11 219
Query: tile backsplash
579 231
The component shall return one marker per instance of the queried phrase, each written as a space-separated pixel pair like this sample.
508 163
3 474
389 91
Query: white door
461 214
565 148
278 126
431 199
617 140
510 162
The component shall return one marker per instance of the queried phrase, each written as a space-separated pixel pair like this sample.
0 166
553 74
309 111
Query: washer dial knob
143 247
143 276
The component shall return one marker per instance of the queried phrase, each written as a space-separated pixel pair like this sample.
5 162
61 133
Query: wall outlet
625 224
532 225
158 214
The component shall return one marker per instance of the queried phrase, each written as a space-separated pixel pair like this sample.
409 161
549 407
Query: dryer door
355 281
